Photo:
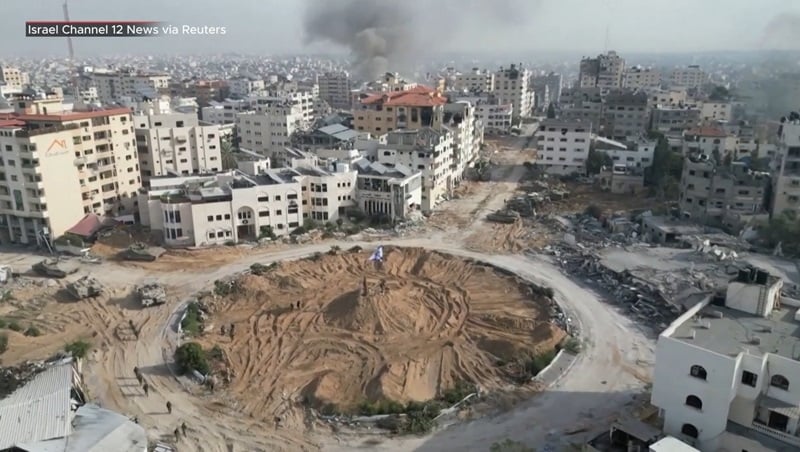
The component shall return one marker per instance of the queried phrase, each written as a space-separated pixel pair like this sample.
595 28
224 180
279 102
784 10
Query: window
694 401
277 197
263 213
263 199
689 430
749 378
211 218
780 382
698 372
227 216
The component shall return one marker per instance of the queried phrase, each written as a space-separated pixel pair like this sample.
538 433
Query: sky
269 27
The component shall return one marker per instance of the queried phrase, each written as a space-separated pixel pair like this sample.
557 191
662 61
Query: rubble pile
12 378
85 287
151 294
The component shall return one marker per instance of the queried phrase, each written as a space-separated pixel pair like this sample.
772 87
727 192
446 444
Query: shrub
14 326
460 390
230 243
335 249
3 343
339 223
222 287
190 356
329 226
258 269
267 232
315 257
216 353
572 345
384 406
508 445
537 363
418 423
32 331
78 349
310 225
299 230
3 323
191 321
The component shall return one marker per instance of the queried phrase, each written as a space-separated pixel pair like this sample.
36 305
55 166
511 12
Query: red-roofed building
57 166
417 107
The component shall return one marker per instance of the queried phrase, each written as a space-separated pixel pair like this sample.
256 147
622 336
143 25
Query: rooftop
68 116
367 168
419 96
707 131
670 444
729 332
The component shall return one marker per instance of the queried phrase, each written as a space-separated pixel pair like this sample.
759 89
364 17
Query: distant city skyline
277 27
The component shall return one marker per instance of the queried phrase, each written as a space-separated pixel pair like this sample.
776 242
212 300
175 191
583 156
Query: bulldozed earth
337 330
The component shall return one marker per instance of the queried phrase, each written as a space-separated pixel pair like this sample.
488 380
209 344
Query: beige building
58 166
390 191
689 77
335 88
176 144
429 151
711 141
13 78
786 186
270 125
409 109
115 86
638 77
476 81
716 111
512 86
725 196
606 72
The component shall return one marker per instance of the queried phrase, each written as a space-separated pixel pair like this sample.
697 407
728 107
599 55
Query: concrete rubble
85 287
151 294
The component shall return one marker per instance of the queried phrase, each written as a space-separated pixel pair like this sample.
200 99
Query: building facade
58 166
389 191
563 146
476 81
786 185
13 78
176 144
269 126
674 119
335 88
606 72
627 115
115 86
512 87
725 369
689 77
406 109
638 77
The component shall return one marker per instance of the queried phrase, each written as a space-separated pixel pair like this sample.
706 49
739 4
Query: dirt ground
427 321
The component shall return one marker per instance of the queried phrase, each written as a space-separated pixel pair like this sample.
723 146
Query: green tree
78 349
551 111
665 173
190 356
783 229
596 160
509 445
226 153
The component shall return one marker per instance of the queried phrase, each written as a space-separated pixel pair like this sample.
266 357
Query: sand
437 320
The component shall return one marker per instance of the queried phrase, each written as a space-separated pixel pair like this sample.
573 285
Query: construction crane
73 72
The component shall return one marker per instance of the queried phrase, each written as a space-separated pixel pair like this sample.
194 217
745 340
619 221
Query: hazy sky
276 26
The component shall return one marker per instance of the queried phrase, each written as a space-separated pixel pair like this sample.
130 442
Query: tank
151 294
503 216
85 287
142 252
52 269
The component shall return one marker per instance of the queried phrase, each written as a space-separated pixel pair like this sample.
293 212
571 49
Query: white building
690 77
563 146
786 183
716 111
475 81
429 151
13 78
112 86
605 72
726 370
176 144
630 155
224 112
496 119
245 86
390 191
511 87
638 77
335 88
270 125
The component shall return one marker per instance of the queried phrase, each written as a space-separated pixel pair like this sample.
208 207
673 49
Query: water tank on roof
761 277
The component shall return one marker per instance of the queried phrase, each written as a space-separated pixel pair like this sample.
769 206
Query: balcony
777 434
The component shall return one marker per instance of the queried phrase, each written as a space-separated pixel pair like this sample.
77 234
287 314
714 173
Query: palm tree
226 153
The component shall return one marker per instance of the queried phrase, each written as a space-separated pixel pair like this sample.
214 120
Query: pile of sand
426 321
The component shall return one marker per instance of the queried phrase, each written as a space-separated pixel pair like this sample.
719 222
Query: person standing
169 407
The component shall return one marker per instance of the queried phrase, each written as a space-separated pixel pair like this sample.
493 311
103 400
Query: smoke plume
782 32
387 36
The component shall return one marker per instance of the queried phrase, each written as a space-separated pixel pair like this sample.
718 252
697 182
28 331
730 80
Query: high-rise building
270 125
512 87
547 89
335 88
786 185
13 78
689 77
476 81
175 144
605 72
114 86
57 166
638 77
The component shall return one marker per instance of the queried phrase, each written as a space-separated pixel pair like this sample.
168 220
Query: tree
596 160
666 170
727 160
551 111
509 445
78 349
784 229
226 153
190 356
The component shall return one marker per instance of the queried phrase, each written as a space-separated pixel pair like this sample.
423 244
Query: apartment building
13 78
584 104
631 154
786 184
638 77
245 86
725 369
328 193
563 146
391 191
711 141
204 91
547 89
674 119
57 166
270 125
496 119
428 150
475 81
335 88
689 77
408 109
114 86
224 112
716 111
721 195
606 72
512 87
175 144
627 114
673 97
460 119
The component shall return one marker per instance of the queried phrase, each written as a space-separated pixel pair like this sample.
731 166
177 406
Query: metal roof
39 410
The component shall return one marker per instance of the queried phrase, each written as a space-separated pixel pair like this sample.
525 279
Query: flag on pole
377 256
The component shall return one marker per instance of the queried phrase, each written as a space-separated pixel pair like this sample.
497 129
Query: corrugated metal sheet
40 410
